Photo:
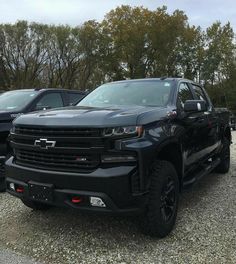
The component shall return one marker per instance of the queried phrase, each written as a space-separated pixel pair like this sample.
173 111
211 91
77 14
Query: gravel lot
205 231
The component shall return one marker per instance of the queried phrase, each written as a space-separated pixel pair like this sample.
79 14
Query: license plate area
41 192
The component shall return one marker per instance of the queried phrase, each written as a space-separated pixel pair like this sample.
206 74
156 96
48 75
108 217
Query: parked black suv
127 147
233 121
17 102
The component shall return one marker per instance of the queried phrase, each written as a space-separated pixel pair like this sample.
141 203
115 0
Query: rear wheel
224 165
35 205
163 199
2 185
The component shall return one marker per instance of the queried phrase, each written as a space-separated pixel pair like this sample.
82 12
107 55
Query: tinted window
16 100
184 94
146 93
51 100
74 98
199 93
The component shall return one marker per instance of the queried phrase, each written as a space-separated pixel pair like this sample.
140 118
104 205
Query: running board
206 170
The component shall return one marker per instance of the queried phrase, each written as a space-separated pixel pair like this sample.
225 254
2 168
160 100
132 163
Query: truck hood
6 119
8 116
94 117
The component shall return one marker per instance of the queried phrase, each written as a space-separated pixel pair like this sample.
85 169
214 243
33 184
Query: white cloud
74 12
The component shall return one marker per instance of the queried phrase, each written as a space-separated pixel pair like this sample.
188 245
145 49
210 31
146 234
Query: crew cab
18 102
128 147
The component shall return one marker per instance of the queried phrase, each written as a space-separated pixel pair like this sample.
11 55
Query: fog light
111 159
96 201
12 186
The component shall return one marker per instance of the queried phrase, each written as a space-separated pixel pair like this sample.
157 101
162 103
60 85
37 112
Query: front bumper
112 185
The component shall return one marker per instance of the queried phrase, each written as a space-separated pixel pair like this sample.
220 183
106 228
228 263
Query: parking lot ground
205 231
10 257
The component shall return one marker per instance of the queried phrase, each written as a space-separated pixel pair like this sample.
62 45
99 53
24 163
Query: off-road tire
162 176
2 184
224 165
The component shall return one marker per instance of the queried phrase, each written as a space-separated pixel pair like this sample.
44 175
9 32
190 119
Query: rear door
210 130
191 128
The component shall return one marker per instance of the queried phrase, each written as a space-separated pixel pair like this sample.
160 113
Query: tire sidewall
224 165
161 172
226 151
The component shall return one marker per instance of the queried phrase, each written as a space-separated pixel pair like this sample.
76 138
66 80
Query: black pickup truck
128 147
18 102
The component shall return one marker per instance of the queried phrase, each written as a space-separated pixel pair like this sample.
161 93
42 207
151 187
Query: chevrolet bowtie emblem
43 143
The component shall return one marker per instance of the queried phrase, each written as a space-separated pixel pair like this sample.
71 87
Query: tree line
130 42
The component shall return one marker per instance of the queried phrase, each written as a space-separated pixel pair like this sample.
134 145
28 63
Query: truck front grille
57 161
76 150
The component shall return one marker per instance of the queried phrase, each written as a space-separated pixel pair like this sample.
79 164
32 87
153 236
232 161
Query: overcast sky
74 12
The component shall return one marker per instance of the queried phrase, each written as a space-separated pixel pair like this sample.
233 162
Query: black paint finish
189 140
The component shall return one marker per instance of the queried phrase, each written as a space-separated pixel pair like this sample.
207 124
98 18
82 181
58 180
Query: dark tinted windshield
16 100
144 93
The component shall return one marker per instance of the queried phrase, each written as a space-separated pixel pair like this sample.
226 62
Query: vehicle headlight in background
123 131
13 129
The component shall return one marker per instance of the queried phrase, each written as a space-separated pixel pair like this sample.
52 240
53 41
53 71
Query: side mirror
195 106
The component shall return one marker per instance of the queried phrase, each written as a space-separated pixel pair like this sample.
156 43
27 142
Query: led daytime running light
122 131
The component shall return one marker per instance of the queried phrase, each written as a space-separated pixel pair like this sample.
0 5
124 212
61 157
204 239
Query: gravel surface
205 231
10 257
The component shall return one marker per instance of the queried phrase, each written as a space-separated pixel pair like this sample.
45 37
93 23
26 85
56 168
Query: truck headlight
123 131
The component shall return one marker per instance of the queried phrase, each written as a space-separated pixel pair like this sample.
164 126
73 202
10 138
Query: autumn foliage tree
130 42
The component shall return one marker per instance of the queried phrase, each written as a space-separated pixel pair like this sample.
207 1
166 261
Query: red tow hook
20 189
76 200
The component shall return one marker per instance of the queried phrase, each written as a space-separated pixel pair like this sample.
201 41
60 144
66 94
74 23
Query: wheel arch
172 152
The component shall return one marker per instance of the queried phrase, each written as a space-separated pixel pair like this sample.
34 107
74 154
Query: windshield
144 93
15 100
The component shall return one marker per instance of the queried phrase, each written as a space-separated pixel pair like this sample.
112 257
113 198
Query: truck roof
47 89
177 79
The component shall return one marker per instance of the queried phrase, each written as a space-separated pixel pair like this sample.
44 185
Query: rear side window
74 98
51 100
199 93
184 94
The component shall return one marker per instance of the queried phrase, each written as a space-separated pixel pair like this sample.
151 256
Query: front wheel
162 206
35 205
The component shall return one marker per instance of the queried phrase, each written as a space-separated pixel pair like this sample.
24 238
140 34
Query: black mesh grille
71 162
74 150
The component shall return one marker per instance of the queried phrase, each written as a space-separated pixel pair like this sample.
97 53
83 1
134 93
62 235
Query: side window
184 94
50 100
74 98
199 93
